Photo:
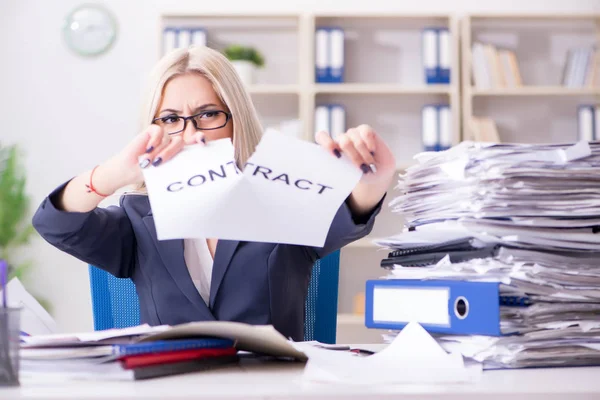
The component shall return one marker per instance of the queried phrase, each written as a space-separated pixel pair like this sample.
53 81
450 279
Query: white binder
429 55
429 127
336 55
199 37
445 127
169 40
337 119
597 123
585 125
322 119
184 38
321 55
444 56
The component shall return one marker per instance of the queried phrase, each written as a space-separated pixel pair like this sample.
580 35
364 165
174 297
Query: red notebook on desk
169 357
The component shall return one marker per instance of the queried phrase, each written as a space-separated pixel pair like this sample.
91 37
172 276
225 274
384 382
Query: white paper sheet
413 357
35 320
288 192
95 336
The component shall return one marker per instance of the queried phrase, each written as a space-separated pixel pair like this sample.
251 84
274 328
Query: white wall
69 113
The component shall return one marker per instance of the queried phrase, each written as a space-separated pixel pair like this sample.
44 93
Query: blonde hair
215 67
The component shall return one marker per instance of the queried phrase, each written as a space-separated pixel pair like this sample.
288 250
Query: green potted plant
15 227
245 60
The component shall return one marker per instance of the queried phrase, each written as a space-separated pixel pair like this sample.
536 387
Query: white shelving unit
542 110
383 86
537 91
379 88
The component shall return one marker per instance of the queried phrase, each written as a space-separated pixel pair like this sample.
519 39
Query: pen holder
10 320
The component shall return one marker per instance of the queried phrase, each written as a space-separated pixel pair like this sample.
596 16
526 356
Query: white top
199 263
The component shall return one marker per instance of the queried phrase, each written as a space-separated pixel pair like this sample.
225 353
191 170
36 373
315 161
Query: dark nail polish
203 140
144 163
157 161
149 149
373 153
365 168
337 153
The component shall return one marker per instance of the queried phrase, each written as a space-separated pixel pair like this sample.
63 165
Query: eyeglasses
204 121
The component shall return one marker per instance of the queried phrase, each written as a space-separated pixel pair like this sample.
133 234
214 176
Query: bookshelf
543 108
383 86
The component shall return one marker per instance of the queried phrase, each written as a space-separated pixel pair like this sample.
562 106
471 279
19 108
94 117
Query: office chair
116 305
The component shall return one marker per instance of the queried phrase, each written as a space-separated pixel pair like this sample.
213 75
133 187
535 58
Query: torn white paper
289 192
412 357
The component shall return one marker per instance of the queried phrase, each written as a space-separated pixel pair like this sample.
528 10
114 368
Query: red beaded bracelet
91 187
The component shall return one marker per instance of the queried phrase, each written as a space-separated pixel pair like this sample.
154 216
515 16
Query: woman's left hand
365 148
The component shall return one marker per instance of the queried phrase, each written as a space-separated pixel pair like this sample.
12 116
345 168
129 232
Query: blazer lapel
171 253
223 255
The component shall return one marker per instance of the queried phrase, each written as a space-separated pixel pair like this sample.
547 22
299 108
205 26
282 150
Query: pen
3 276
347 348
5 354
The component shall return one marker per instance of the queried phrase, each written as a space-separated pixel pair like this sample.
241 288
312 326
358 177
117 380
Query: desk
252 379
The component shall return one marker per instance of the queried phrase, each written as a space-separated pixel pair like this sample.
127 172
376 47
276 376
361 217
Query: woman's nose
189 133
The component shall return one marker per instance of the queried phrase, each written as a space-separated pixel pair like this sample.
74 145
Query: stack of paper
144 352
527 216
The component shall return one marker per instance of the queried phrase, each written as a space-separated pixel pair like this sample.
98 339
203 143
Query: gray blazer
256 283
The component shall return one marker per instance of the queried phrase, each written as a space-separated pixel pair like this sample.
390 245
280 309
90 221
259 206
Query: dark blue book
160 346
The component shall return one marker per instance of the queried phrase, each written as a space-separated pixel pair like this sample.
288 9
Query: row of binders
588 122
436 127
494 68
330 118
582 68
436 124
500 256
182 37
436 55
329 55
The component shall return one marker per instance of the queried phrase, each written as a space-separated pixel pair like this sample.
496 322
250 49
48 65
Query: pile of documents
524 216
144 352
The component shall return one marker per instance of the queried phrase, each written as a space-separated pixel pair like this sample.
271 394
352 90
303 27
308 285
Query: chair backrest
116 305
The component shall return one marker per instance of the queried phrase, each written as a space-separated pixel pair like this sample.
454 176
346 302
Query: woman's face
192 94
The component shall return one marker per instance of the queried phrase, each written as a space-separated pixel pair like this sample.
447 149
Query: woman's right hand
125 168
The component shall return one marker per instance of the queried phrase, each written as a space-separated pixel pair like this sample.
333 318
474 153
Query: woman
195 97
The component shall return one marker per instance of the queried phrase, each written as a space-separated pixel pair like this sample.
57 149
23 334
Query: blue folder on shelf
435 54
440 306
430 55
443 66
329 55
430 130
322 67
336 55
